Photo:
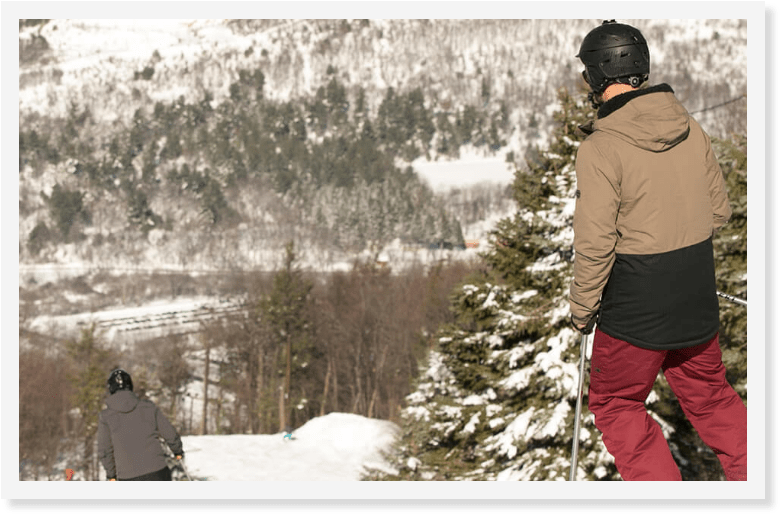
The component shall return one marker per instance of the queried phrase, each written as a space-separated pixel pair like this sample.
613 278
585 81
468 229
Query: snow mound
348 431
333 447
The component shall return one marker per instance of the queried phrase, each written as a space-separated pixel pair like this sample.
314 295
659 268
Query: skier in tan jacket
650 196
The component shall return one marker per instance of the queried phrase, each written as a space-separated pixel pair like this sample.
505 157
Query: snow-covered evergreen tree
496 400
730 250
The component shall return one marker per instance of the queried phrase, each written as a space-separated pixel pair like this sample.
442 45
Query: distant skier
650 198
128 432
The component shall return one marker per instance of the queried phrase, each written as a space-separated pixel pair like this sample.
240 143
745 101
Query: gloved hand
582 328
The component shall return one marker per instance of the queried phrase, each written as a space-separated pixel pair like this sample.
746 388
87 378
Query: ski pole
732 298
184 470
577 418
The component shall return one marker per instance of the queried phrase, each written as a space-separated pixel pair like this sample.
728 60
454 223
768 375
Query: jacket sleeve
718 193
168 432
594 227
105 447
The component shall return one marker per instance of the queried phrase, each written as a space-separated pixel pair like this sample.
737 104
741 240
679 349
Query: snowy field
470 170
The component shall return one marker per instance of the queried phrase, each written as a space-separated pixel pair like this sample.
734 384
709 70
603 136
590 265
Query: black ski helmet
614 52
119 380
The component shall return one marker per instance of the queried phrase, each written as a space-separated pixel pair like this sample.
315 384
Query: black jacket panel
664 300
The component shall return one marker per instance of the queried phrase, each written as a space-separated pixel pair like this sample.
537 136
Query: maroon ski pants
621 378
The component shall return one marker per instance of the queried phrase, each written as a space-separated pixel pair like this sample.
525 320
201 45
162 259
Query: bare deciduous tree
43 407
173 370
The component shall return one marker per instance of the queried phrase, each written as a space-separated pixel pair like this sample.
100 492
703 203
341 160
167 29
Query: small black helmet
614 52
119 380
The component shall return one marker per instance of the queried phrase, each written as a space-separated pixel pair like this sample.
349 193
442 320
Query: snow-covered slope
334 447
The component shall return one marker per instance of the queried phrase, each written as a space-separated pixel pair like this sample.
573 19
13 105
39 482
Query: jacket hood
652 118
122 401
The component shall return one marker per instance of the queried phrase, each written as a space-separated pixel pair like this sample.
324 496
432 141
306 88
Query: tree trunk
325 389
86 458
372 402
282 408
172 409
393 408
287 399
261 388
377 374
219 415
335 405
275 386
238 426
252 391
358 393
206 390
95 467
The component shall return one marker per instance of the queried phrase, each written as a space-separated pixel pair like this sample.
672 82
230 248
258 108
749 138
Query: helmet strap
594 98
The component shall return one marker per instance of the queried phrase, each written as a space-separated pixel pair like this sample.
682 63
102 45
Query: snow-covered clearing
467 171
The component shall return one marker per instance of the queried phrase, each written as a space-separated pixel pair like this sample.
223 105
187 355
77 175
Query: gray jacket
128 432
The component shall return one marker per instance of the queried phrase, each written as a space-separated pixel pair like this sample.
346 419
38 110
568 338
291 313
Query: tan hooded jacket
650 196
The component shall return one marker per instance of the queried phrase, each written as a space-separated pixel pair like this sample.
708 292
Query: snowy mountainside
93 61
114 67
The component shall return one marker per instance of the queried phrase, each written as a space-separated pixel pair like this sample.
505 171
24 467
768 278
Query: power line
719 105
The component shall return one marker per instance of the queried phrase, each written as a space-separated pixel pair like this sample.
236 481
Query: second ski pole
732 298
